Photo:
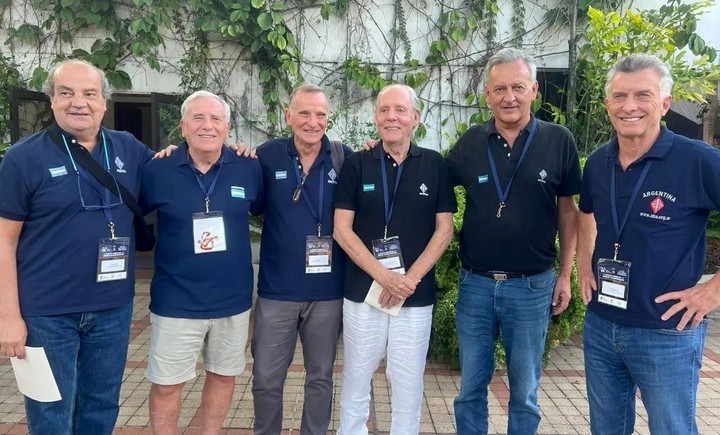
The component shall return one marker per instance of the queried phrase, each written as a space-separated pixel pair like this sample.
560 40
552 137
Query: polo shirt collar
56 134
181 156
492 130
292 150
659 150
378 151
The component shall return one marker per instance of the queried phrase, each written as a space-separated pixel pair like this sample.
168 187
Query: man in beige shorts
201 292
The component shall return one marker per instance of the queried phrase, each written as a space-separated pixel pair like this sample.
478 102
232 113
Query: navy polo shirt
287 224
57 254
664 237
523 239
423 191
214 284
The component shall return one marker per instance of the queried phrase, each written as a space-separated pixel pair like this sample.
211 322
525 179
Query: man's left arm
567 232
435 248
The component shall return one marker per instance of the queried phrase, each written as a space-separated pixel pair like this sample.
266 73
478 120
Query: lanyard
106 194
206 191
388 204
503 194
620 226
316 214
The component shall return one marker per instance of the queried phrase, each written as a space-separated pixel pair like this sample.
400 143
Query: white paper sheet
373 299
34 377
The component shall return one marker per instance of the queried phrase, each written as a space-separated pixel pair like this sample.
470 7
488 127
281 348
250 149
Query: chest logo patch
543 176
120 165
657 204
57 172
368 187
332 176
482 179
280 175
423 190
237 192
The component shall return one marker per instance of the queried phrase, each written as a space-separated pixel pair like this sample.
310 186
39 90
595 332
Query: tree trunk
572 65
711 116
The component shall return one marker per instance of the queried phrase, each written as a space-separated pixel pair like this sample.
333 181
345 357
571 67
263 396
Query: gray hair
308 88
638 62
204 94
49 86
412 95
510 55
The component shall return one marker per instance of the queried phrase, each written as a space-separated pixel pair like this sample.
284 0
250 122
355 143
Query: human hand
165 152
587 283
13 334
397 284
370 144
387 300
696 301
243 150
561 296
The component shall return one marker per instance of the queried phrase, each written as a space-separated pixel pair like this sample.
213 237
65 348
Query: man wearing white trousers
393 218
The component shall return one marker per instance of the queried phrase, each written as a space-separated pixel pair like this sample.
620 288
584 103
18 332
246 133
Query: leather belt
500 275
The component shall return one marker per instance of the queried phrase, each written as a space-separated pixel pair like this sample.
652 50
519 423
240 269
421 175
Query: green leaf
281 43
325 11
265 21
257 4
235 15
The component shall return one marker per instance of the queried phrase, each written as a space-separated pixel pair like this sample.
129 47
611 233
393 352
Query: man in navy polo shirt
519 175
201 292
645 201
393 218
301 268
67 253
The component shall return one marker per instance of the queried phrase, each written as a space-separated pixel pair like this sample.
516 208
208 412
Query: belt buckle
499 276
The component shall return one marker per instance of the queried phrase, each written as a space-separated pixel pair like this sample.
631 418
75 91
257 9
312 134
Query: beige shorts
175 345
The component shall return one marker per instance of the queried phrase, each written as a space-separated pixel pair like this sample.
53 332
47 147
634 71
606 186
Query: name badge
113 261
280 175
482 179
388 253
318 254
614 277
208 232
368 187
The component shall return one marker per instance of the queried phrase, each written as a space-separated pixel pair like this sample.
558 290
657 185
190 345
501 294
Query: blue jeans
520 308
663 363
87 353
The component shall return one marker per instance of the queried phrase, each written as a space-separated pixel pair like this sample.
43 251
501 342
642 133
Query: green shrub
444 346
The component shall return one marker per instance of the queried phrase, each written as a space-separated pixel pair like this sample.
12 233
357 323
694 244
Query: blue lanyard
317 215
106 194
206 191
389 205
620 226
503 194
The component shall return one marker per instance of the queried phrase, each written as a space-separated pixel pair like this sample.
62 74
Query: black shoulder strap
83 158
337 154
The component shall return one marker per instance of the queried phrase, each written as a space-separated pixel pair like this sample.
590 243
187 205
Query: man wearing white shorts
201 292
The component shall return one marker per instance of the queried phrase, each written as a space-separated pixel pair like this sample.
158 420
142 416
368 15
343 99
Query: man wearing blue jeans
519 175
67 254
645 200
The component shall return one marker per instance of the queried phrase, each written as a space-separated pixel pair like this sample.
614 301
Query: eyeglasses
298 190
94 207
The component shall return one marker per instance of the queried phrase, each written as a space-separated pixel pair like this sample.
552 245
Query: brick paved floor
562 392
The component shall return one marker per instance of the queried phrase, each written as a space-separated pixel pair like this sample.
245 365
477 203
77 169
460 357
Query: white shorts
175 345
